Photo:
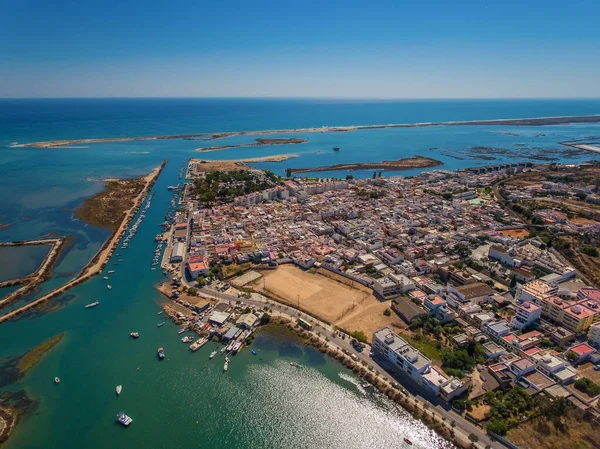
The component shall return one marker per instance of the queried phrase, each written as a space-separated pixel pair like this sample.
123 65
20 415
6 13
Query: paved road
463 427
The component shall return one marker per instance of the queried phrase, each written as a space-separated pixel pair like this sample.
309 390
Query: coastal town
460 286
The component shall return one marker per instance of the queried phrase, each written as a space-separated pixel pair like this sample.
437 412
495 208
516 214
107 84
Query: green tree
359 336
387 312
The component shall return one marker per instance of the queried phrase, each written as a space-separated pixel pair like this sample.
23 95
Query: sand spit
540 121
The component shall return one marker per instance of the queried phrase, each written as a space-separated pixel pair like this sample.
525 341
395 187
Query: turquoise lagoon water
186 400
19 261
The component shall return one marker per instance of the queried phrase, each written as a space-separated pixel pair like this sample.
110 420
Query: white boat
122 418
111 271
182 330
56 380
161 353
212 354
105 278
109 287
92 304
119 388
226 363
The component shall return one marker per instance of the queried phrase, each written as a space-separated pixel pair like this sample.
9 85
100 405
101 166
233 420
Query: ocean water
186 400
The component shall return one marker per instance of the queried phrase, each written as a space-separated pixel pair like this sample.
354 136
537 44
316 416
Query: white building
177 252
535 291
527 314
594 335
393 284
399 353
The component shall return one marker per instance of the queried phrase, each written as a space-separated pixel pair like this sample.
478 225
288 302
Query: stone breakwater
99 261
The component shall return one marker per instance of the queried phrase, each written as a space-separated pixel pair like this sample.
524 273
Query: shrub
588 386
359 336
387 312
590 251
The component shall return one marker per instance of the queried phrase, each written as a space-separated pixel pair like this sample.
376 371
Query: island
537 121
401 164
258 143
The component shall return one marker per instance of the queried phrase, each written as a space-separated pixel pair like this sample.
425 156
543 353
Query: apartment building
527 314
401 355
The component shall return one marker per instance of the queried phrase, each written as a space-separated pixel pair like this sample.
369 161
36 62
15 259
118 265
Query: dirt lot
323 297
515 233
368 317
588 371
580 433
480 413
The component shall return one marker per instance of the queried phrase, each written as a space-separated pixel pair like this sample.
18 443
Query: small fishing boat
122 418
226 366
293 364
212 354
161 324
407 441
161 353
56 380
134 334
92 304
109 287
365 385
336 148
105 278
254 352
119 388
160 313
182 330
111 271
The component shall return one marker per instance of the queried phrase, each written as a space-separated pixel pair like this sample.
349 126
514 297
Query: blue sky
306 48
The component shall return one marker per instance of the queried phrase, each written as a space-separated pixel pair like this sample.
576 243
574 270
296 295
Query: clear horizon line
296 98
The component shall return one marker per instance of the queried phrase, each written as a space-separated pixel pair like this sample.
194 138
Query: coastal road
463 428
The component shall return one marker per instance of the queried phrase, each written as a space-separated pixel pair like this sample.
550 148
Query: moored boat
122 418
161 353
253 351
56 380
212 354
293 364
92 304
134 334
161 324
226 365
109 287
119 389
111 271
407 441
